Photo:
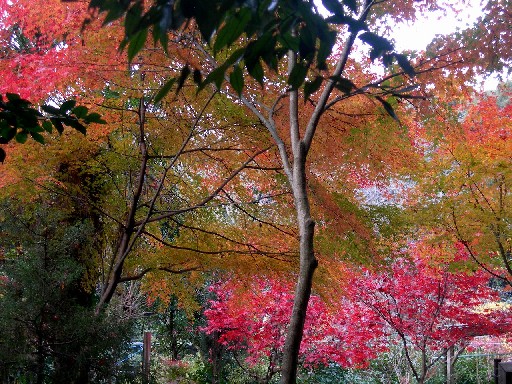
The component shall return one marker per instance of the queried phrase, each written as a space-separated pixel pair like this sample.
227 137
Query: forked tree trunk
296 173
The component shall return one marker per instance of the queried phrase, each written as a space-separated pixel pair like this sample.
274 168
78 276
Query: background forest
268 187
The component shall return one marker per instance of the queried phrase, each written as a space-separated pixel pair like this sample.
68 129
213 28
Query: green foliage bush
49 332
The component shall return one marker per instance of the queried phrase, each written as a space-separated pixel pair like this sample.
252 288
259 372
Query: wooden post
449 365
496 369
146 356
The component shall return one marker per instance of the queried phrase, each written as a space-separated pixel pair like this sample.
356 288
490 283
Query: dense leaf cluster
19 119
264 30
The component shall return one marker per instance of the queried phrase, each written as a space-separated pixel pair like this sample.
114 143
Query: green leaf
74 123
234 57
137 43
7 134
58 125
404 62
389 109
216 76
343 84
236 78
377 42
80 112
351 4
297 75
21 137
256 71
197 76
185 72
333 6
312 86
115 11
47 126
37 137
94 118
325 49
67 106
50 109
164 90
132 19
12 96
232 30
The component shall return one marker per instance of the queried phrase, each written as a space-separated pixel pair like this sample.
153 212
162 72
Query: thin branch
141 274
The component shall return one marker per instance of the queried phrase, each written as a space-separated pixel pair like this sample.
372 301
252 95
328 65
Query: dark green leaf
258 49
324 50
232 29
333 6
307 44
389 109
377 42
7 134
355 25
234 57
50 109
21 137
164 90
93 118
312 86
37 137
67 106
198 77
351 4
132 19
185 72
80 112
12 96
77 125
47 126
237 79
33 128
297 75
137 43
58 125
404 62
216 76
387 60
115 11
256 71
343 84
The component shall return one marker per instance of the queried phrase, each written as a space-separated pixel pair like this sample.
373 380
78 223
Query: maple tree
35 56
466 180
178 171
269 67
254 319
482 48
293 128
429 307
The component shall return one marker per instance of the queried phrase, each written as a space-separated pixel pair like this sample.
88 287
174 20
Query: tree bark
308 264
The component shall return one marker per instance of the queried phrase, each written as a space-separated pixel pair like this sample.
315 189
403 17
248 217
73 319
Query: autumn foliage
394 182
253 317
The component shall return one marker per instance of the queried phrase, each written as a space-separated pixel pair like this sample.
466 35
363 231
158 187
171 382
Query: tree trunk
308 264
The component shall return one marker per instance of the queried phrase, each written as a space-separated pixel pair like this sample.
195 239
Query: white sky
418 35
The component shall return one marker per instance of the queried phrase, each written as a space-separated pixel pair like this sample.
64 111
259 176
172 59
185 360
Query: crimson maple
429 307
253 318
